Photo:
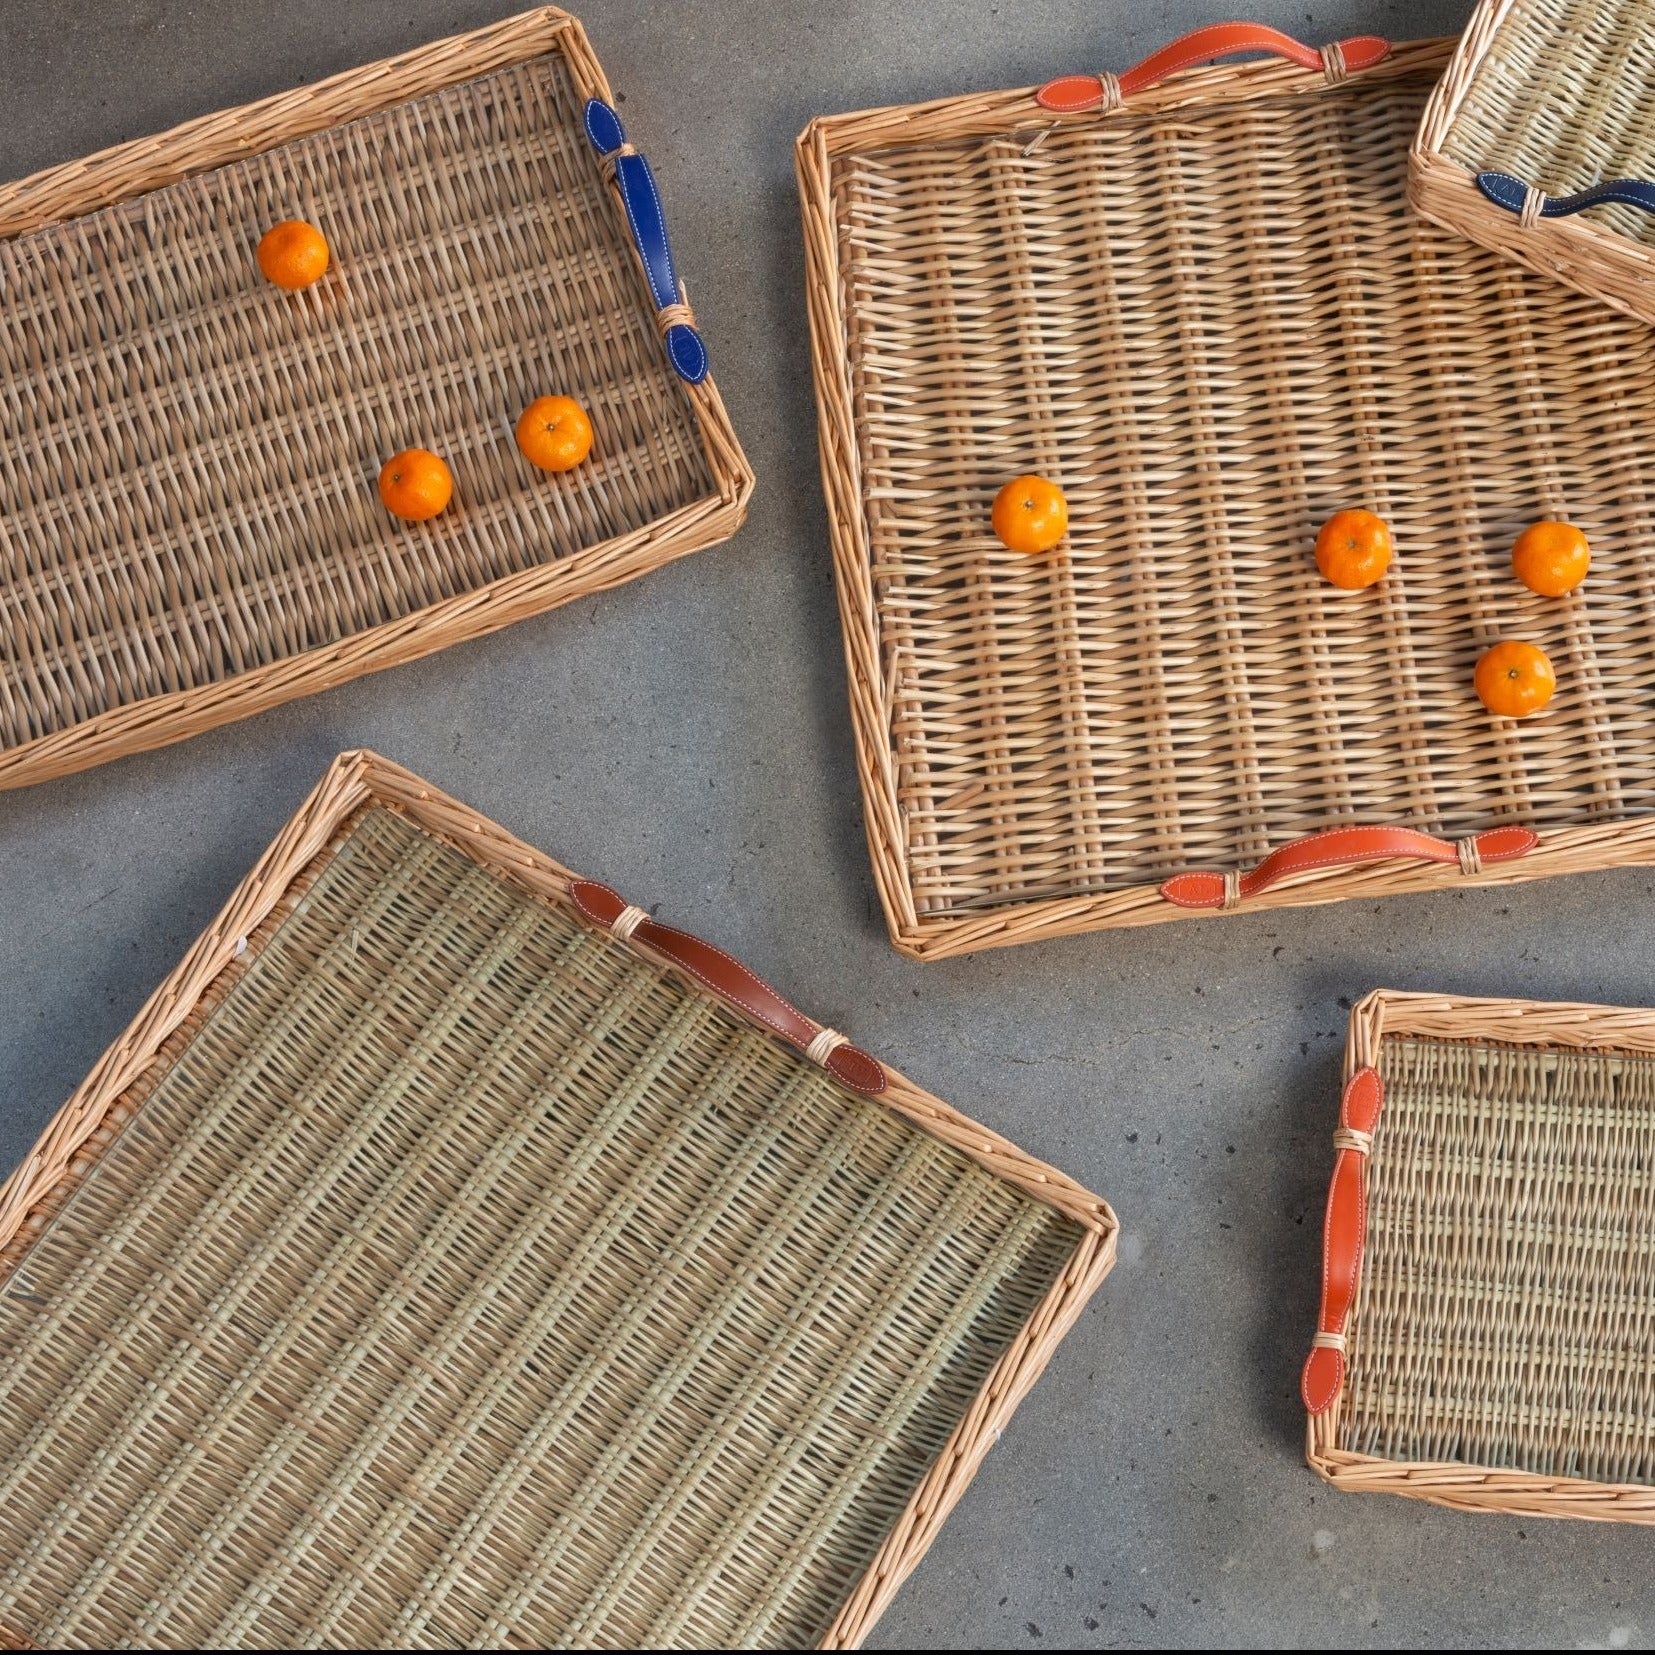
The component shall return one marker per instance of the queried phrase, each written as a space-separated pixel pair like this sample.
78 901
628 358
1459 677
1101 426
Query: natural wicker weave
1212 317
1561 95
436 1269
1501 1352
189 527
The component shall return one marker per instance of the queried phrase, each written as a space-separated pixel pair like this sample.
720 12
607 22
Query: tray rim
935 937
1462 1485
69 1145
67 191
1575 251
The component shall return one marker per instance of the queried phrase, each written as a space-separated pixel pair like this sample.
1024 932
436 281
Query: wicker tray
1498 1242
428 1266
1211 315
189 525
1546 112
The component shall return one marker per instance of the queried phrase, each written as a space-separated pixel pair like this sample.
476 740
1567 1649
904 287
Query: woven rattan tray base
189 526
1213 317
1501 1352
1559 94
438 1270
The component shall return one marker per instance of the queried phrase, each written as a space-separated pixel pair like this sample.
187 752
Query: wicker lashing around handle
1071 94
631 175
1343 1233
1346 847
730 980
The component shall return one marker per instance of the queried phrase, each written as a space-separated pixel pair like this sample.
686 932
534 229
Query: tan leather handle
1070 94
1347 847
728 978
1343 1232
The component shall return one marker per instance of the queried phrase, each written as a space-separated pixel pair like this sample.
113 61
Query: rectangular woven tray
426 1266
1545 100
1212 317
1500 1353
189 524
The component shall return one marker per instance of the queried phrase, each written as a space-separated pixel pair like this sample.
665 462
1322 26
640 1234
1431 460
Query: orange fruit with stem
415 484
1551 558
554 433
293 254
1515 679
1354 549
1030 515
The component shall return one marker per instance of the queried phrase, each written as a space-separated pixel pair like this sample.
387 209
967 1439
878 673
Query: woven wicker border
1454 1484
925 937
147 164
70 1144
1586 256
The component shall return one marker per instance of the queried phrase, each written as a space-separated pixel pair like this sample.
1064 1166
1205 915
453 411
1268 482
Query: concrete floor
687 739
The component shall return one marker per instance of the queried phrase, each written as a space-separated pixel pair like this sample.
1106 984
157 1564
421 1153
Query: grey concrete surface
687 739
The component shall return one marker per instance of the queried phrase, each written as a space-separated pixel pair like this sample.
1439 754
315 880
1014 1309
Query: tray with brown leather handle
435 1160
1193 294
1483 1337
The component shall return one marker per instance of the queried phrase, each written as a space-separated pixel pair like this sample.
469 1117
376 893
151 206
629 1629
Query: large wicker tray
1548 112
1488 1344
189 527
1212 316
430 1266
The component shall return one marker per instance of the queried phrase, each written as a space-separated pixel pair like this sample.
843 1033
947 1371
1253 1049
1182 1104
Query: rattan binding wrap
1501 1349
426 1266
190 529
1561 94
1212 316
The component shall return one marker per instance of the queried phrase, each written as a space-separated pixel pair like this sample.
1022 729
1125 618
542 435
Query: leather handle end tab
1347 847
1071 94
1343 1235
726 977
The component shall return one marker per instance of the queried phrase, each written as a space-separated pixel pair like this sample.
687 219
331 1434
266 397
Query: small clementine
1515 679
1354 549
554 433
1551 558
415 484
1030 515
293 254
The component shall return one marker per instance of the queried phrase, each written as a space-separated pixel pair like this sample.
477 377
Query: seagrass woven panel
190 526
1212 316
1558 95
1506 1311
457 1276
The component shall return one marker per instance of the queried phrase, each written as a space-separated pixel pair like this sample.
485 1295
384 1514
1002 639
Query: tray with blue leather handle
505 244
1539 143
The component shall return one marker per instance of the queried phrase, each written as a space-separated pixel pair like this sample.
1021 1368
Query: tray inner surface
464 1281
1215 327
188 457
1505 1315
1565 98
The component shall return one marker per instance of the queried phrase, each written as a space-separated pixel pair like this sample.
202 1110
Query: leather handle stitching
1357 1160
1257 880
651 930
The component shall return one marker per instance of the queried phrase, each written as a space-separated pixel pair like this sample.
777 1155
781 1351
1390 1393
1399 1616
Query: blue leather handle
636 183
1508 192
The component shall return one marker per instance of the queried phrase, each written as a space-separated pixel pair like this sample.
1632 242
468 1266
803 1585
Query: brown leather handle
1347 847
1070 94
728 978
1343 1232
